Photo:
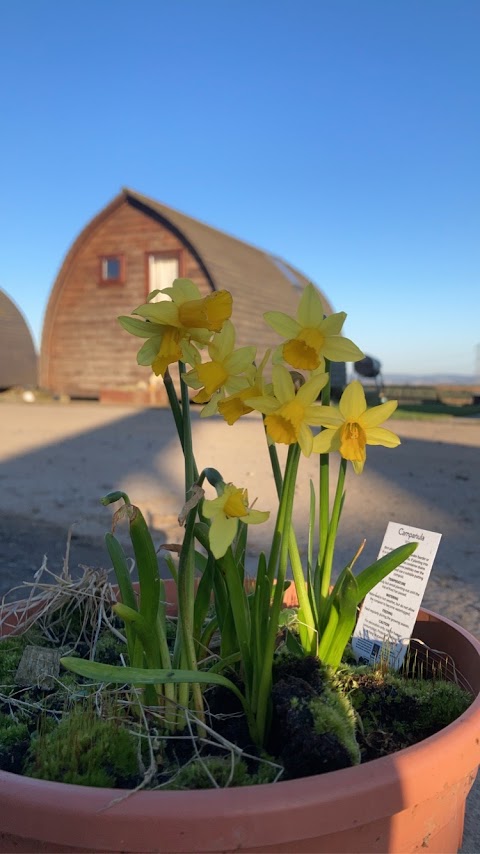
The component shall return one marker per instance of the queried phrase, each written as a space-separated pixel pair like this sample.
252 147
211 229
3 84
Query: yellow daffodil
224 373
353 426
289 414
233 407
171 324
225 512
312 337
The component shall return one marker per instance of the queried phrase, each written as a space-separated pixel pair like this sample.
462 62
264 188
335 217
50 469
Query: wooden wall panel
84 349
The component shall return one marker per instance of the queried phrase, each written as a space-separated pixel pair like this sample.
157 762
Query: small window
112 269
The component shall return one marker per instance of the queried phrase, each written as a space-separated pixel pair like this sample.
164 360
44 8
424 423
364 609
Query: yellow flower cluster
230 383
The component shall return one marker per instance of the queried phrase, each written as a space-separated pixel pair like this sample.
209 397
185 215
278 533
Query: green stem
332 535
296 563
324 494
186 565
177 409
324 508
283 526
307 630
174 404
190 473
166 661
275 463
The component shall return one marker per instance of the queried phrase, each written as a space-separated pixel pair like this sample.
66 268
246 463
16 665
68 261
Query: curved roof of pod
18 358
257 280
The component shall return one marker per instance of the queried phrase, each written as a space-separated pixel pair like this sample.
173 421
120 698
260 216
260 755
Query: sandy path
57 460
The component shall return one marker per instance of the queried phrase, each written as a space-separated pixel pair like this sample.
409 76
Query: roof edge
150 207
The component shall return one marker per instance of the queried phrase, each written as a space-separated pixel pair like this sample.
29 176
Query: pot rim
404 778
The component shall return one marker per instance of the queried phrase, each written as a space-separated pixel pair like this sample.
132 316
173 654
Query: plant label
389 611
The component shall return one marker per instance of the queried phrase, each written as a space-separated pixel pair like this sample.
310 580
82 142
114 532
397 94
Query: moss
109 649
86 750
11 731
333 713
397 712
11 650
225 771
313 727
14 739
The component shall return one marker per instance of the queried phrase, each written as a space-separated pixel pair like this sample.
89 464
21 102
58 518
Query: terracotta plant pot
408 801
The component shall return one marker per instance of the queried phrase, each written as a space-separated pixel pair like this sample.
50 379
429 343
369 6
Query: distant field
425 401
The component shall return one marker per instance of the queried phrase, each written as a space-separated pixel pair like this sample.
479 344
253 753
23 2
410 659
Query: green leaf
261 607
145 632
137 327
203 597
109 673
294 646
240 610
124 581
240 548
147 565
343 617
369 577
122 574
171 566
311 533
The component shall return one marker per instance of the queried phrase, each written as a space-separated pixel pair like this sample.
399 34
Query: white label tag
389 611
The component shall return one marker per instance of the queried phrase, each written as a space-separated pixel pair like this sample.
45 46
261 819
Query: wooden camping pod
131 247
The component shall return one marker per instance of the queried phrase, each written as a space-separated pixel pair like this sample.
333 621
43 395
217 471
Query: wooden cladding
84 350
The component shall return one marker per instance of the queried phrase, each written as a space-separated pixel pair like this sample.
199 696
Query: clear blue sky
342 135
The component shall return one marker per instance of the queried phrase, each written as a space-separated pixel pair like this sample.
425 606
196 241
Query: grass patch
427 411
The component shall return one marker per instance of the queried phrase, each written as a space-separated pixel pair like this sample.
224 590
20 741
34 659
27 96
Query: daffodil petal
211 408
314 417
309 392
352 402
327 416
202 397
255 517
283 384
149 351
358 466
326 441
165 313
264 404
282 323
222 534
212 506
235 384
378 414
305 440
183 290
380 436
240 360
191 379
339 349
138 327
310 309
223 342
277 355
332 325
190 353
